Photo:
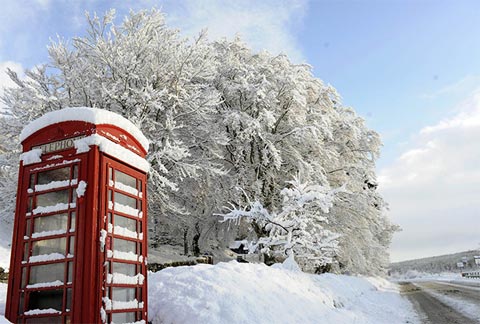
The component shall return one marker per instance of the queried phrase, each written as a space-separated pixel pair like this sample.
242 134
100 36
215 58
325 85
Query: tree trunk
185 241
195 243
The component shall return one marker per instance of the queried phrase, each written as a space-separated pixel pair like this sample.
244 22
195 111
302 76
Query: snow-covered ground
416 276
3 299
234 292
5 240
255 293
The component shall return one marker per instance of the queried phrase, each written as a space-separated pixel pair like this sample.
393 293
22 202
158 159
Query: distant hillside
437 264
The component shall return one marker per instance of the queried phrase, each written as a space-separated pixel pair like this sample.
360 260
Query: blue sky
410 68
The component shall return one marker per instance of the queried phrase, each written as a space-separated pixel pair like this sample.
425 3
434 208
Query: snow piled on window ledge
47 257
48 233
55 208
115 305
120 278
55 283
42 311
55 185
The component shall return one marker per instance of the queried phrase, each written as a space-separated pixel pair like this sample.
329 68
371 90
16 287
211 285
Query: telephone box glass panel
49 227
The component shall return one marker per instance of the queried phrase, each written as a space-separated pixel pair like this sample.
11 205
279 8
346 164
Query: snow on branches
297 229
218 117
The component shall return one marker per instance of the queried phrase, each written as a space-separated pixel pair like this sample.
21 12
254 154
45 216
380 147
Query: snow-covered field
416 276
254 293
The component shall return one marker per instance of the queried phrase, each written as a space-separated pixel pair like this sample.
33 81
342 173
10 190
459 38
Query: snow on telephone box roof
104 140
90 115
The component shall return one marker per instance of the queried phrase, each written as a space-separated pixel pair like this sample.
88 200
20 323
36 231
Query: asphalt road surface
428 298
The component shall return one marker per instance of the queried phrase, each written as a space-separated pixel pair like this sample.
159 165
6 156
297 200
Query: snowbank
254 293
5 240
3 301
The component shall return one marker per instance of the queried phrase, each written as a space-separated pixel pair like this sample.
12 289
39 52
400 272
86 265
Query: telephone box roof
90 115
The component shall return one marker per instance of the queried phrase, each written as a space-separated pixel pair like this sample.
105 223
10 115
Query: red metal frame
89 278
108 162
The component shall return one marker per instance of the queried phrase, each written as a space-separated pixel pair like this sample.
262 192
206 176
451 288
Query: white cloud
433 188
5 81
44 4
266 25
468 83
468 117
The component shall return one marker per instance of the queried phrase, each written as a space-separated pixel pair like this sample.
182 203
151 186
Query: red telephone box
79 247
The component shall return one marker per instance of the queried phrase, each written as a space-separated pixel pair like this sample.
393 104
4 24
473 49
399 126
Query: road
439 302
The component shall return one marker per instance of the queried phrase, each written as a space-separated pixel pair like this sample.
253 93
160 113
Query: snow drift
255 293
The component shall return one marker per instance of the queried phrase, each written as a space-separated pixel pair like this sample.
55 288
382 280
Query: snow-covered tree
298 228
360 212
148 74
219 117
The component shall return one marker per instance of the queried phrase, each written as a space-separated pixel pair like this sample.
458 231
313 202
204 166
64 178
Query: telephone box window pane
27 228
140 295
21 303
125 200
29 204
51 223
125 179
123 317
72 221
44 320
53 175
53 198
123 294
75 171
24 277
124 245
124 268
70 272
125 222
47 273
69 299
46 299
31 183
72 245
25 252
57 245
